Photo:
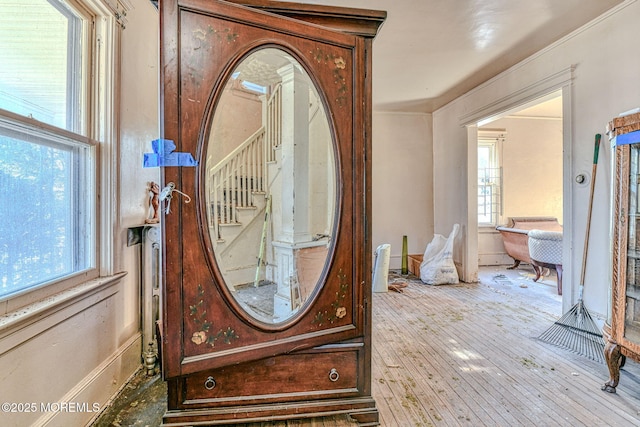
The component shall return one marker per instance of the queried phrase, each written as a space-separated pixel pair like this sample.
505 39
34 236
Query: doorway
520 172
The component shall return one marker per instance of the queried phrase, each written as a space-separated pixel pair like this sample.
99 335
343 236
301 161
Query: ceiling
429 52
549 108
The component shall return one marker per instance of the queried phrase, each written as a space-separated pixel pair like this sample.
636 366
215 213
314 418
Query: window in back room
490 177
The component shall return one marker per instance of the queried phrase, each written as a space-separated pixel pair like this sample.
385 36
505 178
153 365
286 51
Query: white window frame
99 130
494 139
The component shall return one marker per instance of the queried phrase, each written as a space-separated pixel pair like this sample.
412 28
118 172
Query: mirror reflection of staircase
238 188
271 181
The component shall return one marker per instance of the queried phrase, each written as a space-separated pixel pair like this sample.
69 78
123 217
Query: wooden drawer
318 373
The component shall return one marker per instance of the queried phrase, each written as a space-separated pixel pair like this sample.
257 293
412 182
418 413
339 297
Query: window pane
40 73
489 185
41 219
484 158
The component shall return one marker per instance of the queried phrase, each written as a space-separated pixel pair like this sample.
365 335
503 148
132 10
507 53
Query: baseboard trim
97 390
494 259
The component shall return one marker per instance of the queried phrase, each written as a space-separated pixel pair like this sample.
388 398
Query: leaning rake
575 330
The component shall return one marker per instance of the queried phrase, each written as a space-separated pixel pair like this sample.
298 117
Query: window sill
41 315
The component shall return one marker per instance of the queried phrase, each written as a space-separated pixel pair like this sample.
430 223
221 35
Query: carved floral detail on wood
339 64
203 36
203 333
203 39
338 310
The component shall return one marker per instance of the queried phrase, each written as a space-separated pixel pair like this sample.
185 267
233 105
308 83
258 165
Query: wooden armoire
267 267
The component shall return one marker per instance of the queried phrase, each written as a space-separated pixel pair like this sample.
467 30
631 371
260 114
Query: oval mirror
270 185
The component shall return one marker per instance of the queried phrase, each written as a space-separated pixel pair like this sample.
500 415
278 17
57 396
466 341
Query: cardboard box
414 262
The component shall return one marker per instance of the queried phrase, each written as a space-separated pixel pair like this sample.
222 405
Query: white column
293 195
295 156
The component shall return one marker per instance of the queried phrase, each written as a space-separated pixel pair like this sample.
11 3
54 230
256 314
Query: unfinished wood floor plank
579 400
475 360
468 389
443 374
490 337
401 411
409 395
530 364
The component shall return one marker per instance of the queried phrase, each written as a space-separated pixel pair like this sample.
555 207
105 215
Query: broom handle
586 237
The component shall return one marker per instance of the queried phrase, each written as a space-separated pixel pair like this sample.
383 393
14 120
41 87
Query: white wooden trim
20 326
545 87
469 266
520 97
106 129
568 208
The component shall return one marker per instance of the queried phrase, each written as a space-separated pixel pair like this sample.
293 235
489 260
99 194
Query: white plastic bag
437 267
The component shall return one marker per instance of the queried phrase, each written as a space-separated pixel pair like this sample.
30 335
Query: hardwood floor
468 355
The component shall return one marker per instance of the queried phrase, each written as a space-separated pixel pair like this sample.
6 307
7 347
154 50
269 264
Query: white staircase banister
257 134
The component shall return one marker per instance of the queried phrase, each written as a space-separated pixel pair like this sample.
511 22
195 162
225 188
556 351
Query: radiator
149 238
151 269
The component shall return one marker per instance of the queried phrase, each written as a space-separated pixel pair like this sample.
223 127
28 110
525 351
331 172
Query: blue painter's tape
628 138
164 155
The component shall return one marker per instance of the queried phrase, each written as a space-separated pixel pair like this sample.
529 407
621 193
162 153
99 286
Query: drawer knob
334 375
210 383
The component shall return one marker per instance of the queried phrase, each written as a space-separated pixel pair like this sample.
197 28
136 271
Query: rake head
576 331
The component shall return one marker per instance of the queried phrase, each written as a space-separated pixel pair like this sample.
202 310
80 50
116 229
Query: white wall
532 167
604 84
402 185
81 346
139 125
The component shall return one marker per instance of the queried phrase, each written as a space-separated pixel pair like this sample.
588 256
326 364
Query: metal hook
167 194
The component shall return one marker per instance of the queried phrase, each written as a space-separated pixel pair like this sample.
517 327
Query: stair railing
242 173
273 125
